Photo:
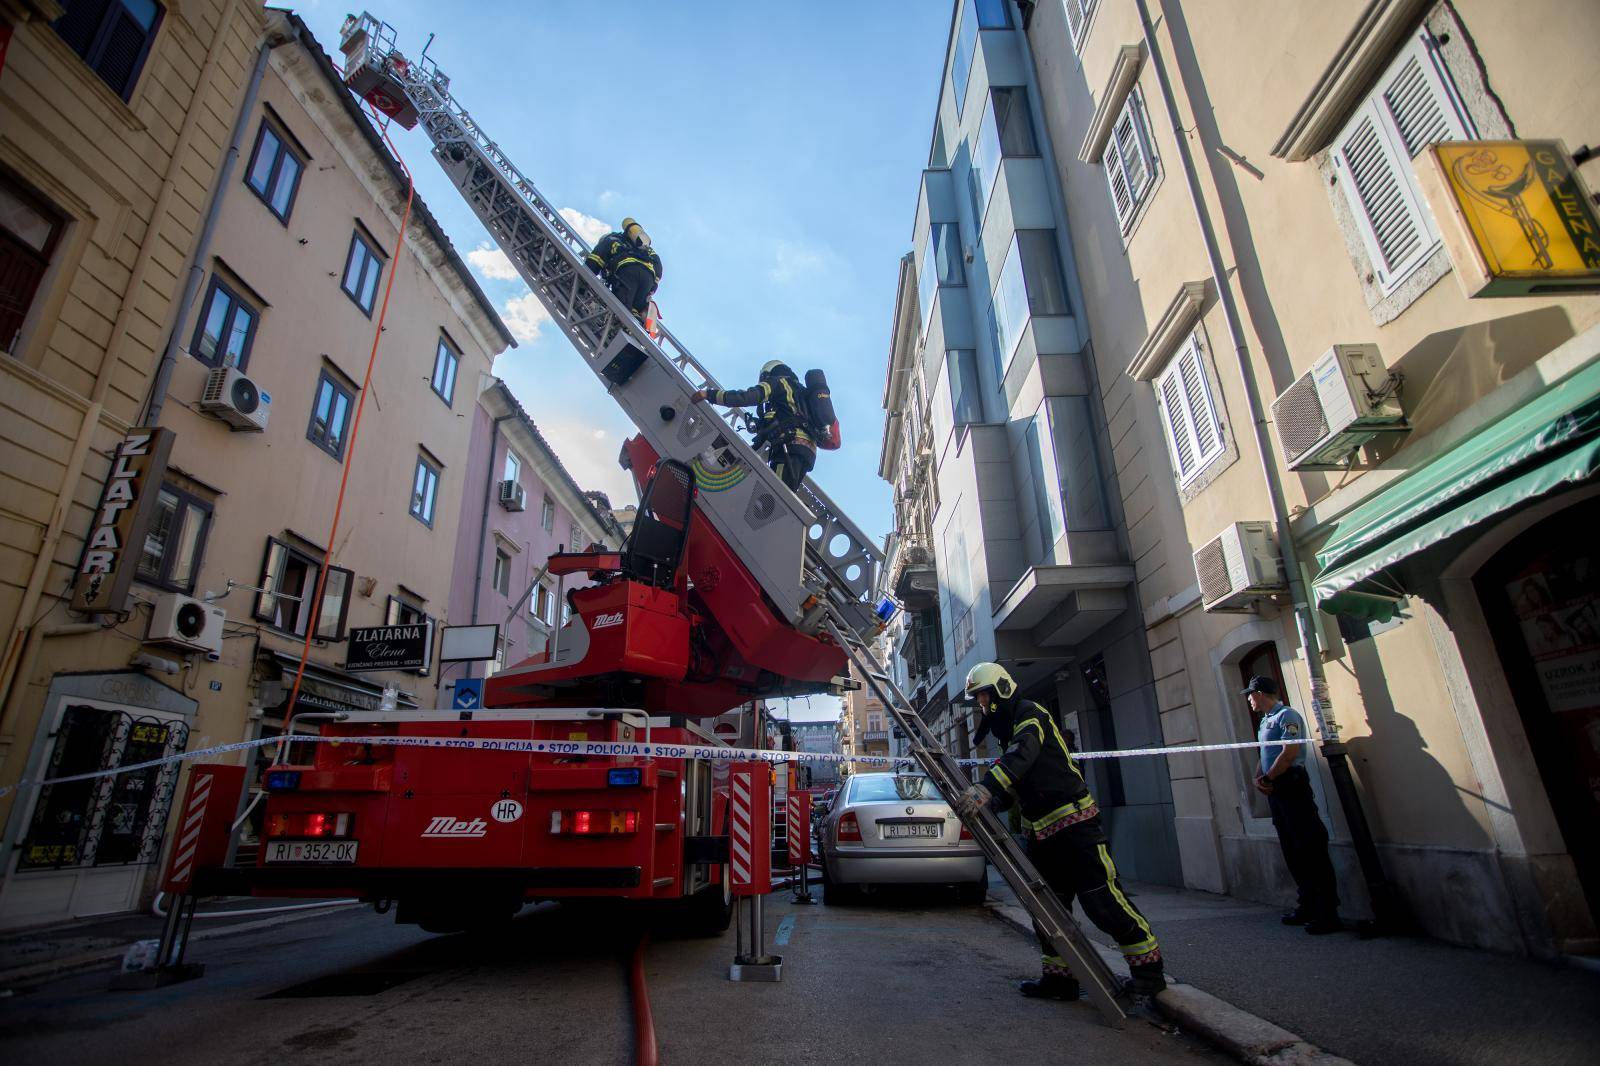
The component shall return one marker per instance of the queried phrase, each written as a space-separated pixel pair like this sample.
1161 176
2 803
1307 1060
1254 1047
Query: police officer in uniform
784 419
1287 786
1066 841
628 265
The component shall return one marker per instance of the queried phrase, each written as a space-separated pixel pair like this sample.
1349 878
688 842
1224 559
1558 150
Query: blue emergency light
283 780
624 778
886 609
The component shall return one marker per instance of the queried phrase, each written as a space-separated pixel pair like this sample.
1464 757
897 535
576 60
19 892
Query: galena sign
121 521
403 647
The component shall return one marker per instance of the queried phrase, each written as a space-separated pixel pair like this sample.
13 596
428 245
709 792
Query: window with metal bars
1130 160
1414 105
1188 412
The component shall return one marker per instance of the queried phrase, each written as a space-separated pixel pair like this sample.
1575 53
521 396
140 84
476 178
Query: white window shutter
1122 197
1202 411
1412 107
1180 440
1075 19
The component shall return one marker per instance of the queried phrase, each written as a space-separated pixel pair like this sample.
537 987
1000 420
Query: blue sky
773 152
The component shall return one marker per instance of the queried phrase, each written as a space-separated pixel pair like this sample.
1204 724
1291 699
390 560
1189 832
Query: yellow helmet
990 676
626 223
770 365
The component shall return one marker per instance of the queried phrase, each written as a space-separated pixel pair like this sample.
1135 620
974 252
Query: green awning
1550 441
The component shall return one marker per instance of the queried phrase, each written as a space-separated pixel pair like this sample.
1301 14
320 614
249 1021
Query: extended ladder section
802 549
1002 849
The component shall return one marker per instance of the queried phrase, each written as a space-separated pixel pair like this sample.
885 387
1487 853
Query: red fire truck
729 588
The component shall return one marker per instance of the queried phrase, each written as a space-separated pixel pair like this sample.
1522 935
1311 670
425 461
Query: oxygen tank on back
824 422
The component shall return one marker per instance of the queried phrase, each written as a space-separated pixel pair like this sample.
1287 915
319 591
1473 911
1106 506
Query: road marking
785 928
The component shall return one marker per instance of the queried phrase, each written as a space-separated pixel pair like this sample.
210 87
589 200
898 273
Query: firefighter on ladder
1066 841
628 265
783 414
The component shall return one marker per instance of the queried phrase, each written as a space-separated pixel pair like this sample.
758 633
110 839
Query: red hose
644 1023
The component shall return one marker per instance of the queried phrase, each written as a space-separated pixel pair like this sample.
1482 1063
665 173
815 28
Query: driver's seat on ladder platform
654 548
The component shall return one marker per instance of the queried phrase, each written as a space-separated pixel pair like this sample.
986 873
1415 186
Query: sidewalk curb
94 960
1245 1036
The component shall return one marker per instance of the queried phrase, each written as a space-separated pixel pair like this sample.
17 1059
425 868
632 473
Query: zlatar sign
121 521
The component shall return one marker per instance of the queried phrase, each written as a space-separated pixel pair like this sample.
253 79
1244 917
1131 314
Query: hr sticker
506 810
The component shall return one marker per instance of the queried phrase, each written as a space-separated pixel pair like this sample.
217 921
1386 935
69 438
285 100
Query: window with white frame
1413 106
547 515
1189 411
1079 12
1130 159
513 468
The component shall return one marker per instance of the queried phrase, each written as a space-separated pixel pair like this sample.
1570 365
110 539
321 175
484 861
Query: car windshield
893 787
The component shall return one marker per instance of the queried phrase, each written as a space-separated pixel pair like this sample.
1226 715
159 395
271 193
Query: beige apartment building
867 727
251 378
1249 187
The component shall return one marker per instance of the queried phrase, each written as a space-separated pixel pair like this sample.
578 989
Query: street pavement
1397 999
911 977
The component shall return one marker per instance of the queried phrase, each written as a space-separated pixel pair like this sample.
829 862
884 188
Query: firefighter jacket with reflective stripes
614 251
781 409
1037 770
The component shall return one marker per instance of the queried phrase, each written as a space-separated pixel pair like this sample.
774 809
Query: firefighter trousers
791 461
633 285
1076 863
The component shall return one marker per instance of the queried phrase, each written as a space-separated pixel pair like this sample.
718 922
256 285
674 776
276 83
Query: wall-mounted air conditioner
1238 566
512 496
235 399
187 623
1343 401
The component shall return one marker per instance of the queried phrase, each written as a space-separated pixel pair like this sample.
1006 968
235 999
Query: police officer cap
1260 683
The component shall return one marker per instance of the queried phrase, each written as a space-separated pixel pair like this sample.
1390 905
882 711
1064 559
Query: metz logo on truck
445 827
601 621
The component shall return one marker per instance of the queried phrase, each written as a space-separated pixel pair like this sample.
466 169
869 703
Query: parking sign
468 694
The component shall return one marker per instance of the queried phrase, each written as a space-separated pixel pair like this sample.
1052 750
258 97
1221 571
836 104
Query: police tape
615 749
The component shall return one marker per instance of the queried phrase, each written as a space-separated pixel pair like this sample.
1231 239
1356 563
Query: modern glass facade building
996 444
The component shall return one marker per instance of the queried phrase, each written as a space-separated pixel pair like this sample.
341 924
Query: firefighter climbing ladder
1032 892
801 547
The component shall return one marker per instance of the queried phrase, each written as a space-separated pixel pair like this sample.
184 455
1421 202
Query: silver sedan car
888 828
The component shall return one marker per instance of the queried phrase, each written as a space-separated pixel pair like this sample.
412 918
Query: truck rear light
849 828
314 824
593 823
966 834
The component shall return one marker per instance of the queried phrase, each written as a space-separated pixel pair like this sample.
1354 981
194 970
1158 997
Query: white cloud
524 315
589 228
492 263
797 261
599 434
609 199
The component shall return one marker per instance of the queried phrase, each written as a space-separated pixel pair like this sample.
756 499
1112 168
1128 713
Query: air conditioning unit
513 497
235 399
1342 402
188 623
1238 566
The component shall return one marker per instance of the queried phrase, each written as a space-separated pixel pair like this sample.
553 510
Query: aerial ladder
813 569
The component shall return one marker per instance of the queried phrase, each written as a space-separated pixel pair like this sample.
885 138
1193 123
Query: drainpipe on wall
1386 903
23 644
483 523
202 247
